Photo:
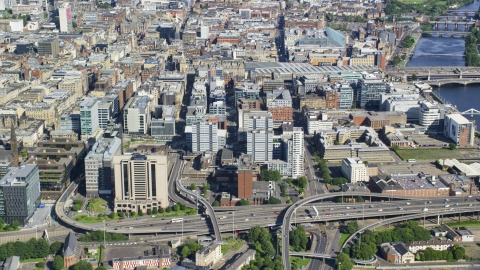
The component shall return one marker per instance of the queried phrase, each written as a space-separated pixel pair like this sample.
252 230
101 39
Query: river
438 51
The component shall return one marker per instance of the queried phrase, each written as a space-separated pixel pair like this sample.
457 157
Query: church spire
14 144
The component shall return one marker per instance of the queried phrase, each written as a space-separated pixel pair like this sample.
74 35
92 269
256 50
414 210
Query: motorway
320 243
332 212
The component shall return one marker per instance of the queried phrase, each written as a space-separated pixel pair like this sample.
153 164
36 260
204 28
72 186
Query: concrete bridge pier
461 74
428 78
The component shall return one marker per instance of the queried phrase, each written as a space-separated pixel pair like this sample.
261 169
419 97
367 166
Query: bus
175 220
411 160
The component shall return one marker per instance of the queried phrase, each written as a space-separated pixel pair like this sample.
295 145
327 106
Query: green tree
452 146
414 77
270 175
458 252
193 186
55 247
397 60
45 15
76 207
112 215
215 203
352 227
154 211
121 214
302 182
176 207
360 199
83 265
161 210
185 252
149 211
101 268
40 264
274 200
58 262
168 209
140 213
74 25
244 202
15 224
395 148
343 262
24 153
2 223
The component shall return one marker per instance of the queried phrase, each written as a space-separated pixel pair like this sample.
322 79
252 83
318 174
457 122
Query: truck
277 213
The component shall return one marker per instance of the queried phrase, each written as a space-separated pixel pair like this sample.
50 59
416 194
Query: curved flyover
293 208
208 206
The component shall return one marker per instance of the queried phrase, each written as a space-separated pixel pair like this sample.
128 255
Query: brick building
419 185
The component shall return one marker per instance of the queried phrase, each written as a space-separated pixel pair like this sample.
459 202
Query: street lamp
424 210
233 236
104 239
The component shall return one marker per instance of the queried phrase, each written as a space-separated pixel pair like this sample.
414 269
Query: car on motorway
407 203
470 205
328 214
246 219
448 205
380 210
447 200
130 228
119 220
429 201
400 208
137 218
371 205
425 210
252 214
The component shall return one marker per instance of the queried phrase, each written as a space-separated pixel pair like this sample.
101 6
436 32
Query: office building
260 145
354 170
136 115
164 129
141 182
204 136
70 122
99 167
65 18
204 31
459 129
369 90
19 193
295 155
345 96
49 46
88 116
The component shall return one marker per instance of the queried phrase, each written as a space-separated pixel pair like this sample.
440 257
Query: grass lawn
179 213
299 262
383 228
232 244
98 205
343 238
432 154
84 218
464 223
36 260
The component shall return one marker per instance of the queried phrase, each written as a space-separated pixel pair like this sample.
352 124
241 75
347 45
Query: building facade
19 193
141 182
88 116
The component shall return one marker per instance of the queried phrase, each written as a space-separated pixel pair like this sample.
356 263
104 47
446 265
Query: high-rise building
88 116
136 115
99 166
260 145
204 31
141 182
204 136
65 18
459 129
296 152
49 46
369 92
19 193
70 122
